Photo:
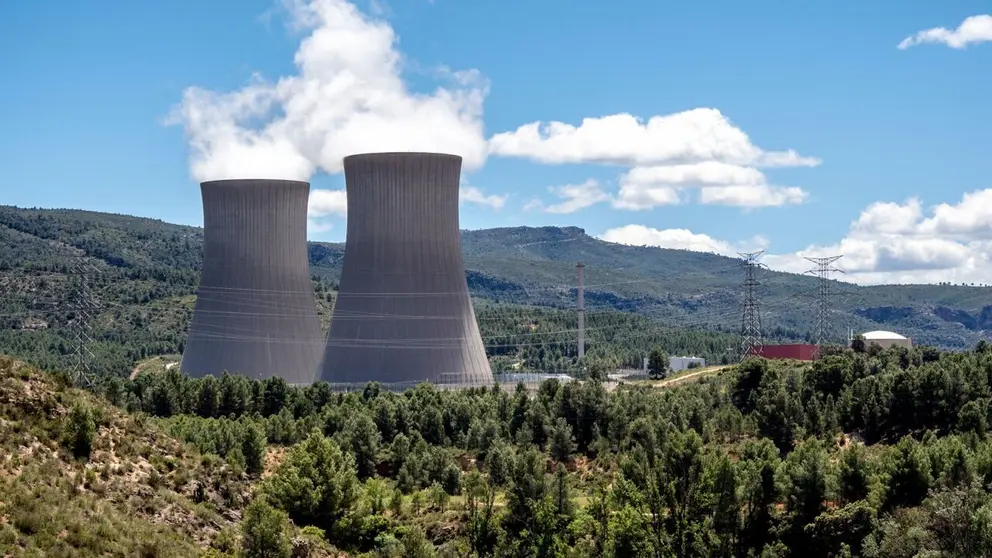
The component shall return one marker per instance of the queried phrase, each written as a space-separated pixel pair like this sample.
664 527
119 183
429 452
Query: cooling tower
403 313
255 313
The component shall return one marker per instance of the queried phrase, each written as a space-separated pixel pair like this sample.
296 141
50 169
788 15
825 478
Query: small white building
886 339
680 363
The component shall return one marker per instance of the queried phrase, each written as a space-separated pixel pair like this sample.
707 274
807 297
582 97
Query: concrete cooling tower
403 313
255 313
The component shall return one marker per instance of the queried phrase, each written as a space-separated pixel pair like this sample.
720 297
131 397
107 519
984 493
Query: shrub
263 531
79 431
316 483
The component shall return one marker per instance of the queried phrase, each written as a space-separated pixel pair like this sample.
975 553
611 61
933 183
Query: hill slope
150 271
139 492
680 287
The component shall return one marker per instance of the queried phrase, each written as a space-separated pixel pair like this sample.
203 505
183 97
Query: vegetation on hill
79 477
686 287
877 454
145 260
146 276
871 453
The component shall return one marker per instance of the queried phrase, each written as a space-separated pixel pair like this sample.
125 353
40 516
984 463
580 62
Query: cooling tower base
404 386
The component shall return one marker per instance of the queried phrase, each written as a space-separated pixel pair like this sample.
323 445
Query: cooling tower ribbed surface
403 313
255 313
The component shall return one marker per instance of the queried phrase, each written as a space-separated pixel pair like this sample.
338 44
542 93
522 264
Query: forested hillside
147 272
680 287
877 454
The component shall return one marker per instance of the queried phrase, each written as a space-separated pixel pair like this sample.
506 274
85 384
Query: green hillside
878 454
148 273
680 287
149 269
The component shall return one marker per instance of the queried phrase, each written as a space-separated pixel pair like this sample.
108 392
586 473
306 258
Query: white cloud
323 203
702 134
645 196
889 218
897 243
347 96
666 155
680 239
708 173
972 218
888 243
757 195
719 183
883 255
574 197
974 29
533 204
318 226
648 187
471 194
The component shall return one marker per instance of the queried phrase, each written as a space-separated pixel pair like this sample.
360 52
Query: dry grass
140 493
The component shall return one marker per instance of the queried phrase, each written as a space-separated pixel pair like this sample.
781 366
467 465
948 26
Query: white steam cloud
348 96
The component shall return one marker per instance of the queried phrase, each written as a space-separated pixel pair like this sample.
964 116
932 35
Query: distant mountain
534 266
680 287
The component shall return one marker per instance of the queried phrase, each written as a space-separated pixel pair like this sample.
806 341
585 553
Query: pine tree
263 531
854 475
657 364
562 441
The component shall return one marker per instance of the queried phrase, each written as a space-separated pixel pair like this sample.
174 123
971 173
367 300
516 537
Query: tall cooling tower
403 313
255 313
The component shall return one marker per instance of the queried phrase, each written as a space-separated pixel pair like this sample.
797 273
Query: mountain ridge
536 266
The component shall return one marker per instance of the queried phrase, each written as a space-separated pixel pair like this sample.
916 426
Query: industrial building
886 339
403 313
796 351
514 378
255 313
680 363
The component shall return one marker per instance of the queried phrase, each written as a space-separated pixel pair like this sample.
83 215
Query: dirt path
143 364
670 382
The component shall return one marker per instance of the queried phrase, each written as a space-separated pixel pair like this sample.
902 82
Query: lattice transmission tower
824 268
83 306
751 341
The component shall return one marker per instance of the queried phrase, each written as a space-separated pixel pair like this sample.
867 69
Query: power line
751 342
824 268
84 306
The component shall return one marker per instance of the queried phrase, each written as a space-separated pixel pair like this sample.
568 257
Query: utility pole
582 312
84 306
751 342
824 268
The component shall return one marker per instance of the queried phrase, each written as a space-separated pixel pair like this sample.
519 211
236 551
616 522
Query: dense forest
872 453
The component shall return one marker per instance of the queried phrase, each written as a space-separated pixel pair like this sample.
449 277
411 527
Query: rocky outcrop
984 320
956 316
885 314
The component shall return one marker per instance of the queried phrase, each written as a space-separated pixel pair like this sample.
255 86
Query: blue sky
793 127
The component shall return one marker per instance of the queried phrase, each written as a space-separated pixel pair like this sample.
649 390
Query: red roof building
798 351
